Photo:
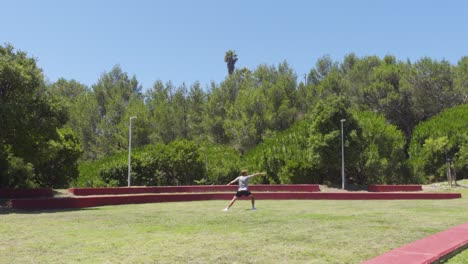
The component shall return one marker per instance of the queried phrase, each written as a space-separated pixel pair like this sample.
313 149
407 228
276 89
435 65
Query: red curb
426 250
92 201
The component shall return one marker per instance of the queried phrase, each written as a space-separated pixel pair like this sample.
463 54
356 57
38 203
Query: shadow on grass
461 186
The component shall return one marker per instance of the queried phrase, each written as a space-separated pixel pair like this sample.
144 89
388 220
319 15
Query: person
243 189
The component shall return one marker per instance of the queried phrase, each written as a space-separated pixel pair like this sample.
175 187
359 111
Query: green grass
198 232
461 258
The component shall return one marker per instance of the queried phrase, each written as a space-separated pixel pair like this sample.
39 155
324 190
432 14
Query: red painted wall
25 193
394 188
92 201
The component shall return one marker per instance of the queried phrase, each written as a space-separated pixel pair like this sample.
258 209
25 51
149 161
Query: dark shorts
243 193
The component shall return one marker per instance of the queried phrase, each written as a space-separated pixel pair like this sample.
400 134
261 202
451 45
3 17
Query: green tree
431 86
31 119
284 157
69 91
113 92
220 99
84 120
324 142
58 163
159 99
382 158
385 95
433 141
197 100
180 106
461 79
323 66
281 97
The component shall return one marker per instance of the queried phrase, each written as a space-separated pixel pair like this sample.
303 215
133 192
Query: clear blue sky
185 41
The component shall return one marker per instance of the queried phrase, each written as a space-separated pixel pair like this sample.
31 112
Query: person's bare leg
231 203
253 201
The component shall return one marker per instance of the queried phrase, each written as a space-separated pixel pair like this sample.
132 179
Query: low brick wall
8 193
431 249
93 201
394 188
196 189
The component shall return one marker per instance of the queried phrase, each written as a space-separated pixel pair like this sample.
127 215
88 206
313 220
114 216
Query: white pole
130 149
342 156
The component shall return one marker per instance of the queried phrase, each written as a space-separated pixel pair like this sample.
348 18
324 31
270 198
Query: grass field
198 232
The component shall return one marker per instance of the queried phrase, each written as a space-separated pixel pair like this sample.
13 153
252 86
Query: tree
30 133
461 79
197 99
159 99
433 141
323 66
324 142
382 158
84 120
68 90
284 157
431 86
113 92
230 58
180 106
384 95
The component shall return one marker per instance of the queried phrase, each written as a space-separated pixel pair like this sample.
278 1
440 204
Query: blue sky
185 41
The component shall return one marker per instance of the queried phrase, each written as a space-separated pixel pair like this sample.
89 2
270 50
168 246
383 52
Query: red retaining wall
25 193
427 250
394 188
92 201
196 189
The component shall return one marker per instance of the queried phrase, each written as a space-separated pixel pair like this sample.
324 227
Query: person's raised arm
233 181
258 173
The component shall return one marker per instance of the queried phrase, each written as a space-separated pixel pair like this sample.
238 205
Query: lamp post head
342 120
133 117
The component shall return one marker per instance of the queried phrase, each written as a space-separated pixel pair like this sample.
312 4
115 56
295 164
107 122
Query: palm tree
230 58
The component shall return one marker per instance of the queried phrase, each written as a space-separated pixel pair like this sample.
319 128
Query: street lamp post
342 156
130 149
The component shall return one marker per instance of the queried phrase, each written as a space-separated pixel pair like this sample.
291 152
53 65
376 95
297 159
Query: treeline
269 117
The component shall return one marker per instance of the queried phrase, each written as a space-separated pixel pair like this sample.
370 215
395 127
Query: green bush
441 137
222 163
177 163
310 151
382 158
271 156
298 172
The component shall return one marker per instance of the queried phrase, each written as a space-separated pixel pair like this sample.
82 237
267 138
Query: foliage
432 88
374 150
178 163
324 142
58 164
245 116
222 163
382 158
19 173
277 154
32 142
443 136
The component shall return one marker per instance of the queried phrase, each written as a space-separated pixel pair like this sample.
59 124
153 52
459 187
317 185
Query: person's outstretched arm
233 181
258 173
